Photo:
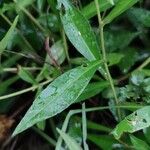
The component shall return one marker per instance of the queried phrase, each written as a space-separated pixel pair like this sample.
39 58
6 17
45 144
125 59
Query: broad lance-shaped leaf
136 121
119 8
4 42
59 95
70 142
78 31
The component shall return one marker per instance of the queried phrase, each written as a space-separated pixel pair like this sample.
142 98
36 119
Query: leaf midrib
66 88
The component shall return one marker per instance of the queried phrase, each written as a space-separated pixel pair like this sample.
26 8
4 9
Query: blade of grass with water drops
58 96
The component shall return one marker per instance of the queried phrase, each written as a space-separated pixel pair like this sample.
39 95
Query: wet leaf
79 31
70 142
58 96
134 122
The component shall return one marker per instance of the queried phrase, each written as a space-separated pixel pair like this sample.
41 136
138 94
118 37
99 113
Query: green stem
14 70
45 136
84 127
101 26
25 90
145 63
77 111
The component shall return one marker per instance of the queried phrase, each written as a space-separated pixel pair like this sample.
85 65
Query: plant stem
25 90
84 127
101 26
145 63
14 70
45 136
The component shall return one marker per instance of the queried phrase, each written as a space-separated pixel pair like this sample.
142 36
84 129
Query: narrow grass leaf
119 8
70 142
58 96
134 122
4 42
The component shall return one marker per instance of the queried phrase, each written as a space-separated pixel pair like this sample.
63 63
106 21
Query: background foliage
74 74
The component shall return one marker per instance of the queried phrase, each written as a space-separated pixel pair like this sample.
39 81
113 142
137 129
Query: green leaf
139 144
41 125
26 75
89 11
114 38
111 2
134 122
50 22
114 58
92 125
58 96
92 89
70 142
7 7
79 31
141 16
104 142
146 72
131 55
119 8
4 42
58 52
146 132
98 127
5 84
24 3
